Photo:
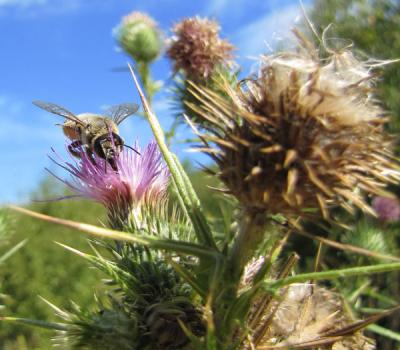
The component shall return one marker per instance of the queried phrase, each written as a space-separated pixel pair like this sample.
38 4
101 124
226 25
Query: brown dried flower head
307 317
197 48
303 133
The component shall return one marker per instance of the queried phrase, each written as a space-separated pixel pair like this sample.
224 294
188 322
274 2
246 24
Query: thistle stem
251 233
333 274
144 72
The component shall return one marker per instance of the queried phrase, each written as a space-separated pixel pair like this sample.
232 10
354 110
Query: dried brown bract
304 133
306 316
197 48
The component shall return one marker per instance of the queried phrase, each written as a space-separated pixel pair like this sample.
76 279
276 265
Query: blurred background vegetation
42 268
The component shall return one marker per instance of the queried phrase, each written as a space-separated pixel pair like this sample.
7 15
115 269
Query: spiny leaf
40 324
151 242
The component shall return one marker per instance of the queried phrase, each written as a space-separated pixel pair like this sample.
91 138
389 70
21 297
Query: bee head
108 146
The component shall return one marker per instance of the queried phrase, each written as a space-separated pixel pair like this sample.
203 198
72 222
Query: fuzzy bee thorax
95 125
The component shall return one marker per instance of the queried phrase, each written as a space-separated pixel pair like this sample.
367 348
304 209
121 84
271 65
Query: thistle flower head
164 323
141 180
303 133
139 36
387 209
197 48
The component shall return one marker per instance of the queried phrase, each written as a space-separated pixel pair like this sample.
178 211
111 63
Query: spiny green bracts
140 38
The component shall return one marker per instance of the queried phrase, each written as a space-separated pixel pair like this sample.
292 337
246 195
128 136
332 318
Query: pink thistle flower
387 209
141 180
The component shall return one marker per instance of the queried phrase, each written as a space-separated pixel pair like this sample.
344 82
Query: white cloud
268 31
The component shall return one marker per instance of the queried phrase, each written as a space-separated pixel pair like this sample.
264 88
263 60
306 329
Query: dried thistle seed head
164 323
197 48
307 314
140 37
303 133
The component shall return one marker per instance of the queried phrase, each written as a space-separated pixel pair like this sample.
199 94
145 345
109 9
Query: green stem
333 274
251 234
184 188
384 331
144 73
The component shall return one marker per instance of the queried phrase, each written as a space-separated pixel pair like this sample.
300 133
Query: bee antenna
132 149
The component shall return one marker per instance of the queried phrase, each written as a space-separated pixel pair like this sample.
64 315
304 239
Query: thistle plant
299 139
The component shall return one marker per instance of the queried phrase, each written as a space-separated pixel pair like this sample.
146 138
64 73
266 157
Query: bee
93 133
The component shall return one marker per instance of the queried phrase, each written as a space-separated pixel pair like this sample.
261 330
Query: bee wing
56 109
119 113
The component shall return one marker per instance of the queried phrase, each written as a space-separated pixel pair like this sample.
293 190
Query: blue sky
63 51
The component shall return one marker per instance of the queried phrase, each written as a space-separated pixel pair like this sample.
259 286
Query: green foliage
5 254
45 269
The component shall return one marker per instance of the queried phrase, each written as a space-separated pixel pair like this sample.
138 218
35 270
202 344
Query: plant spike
184 189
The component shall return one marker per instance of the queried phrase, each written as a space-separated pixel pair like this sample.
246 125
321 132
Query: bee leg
90 156
112 163
75 148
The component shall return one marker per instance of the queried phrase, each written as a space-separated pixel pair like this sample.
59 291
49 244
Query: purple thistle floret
141 180
387 209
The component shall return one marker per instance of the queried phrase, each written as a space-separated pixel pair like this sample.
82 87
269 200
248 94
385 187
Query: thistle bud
103 329
387 209
139 37
197 49
163 323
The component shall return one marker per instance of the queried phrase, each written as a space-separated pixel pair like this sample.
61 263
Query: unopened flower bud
140 38
387 209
